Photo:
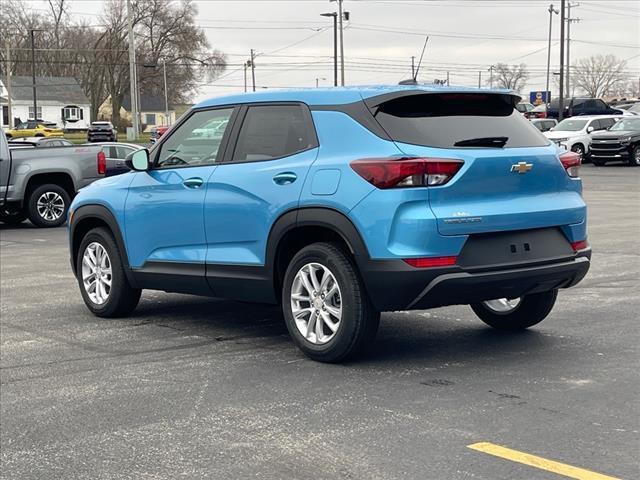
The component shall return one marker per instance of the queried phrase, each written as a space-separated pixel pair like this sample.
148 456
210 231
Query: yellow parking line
539 462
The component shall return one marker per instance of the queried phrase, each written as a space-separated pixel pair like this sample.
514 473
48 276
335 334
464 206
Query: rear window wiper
497 142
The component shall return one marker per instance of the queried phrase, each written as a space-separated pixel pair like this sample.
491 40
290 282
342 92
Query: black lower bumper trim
393 286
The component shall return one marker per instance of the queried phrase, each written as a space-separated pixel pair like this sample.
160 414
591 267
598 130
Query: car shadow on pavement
408 339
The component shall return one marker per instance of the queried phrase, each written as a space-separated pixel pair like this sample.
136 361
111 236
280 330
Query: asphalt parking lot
201 388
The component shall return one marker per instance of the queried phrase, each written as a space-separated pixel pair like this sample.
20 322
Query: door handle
285 178
195 182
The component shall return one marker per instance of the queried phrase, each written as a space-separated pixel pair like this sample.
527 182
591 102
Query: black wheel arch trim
315 216
102 213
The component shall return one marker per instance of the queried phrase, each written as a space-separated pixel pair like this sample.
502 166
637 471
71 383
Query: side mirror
590 129
138 160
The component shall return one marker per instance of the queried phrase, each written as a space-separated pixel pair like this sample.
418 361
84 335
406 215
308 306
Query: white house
59 99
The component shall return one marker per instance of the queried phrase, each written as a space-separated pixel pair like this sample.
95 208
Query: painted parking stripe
538 462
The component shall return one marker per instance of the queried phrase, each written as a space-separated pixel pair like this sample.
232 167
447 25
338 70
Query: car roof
337 95
591 117
31 139
109 144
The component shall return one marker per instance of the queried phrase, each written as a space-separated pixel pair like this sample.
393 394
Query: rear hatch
511 179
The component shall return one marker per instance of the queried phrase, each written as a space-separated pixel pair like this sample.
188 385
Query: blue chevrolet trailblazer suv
339 204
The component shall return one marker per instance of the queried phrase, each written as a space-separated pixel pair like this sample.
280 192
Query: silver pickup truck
39 183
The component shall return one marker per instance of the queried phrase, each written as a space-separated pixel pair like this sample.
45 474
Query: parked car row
601 138
39 176
576 106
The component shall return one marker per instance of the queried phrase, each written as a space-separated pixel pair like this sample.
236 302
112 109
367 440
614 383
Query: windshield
570 125
627 124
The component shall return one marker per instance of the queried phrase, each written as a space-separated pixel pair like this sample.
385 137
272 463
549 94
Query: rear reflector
571 162
406 172
581 245
431 262
102 163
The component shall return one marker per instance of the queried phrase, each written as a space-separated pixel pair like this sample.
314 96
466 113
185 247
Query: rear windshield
458 120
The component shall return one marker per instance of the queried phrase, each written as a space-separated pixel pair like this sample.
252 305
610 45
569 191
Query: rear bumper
394 285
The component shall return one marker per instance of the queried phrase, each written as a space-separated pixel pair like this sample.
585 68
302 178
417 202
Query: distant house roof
148 103
63 90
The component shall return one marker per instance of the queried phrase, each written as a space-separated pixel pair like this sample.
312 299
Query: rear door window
274 131
457 120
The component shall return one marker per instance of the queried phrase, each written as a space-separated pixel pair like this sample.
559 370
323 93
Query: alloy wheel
502 305
50 206
316 303
96 273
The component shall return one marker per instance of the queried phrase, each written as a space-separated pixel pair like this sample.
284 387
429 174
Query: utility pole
447 78
132 72
561 89
569 22
253 70
244 66
551 12
166 95
342 16
479 78
33 74
8 85
413 66
335 45
491 76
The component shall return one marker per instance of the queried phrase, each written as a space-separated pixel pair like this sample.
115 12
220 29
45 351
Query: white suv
575 133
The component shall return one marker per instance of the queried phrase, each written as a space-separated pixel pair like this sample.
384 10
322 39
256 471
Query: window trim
244 108
155 151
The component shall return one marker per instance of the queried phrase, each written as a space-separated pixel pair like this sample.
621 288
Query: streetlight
335 45
546 93
318 81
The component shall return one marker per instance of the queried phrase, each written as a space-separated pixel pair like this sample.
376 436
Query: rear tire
634 159
117 299
316 329
48 206
531 310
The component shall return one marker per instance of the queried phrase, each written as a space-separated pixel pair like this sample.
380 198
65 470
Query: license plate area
494 250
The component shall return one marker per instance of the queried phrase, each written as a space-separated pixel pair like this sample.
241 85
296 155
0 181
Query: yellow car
35 128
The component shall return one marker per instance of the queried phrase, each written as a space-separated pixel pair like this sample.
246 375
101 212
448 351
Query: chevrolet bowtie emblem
521 167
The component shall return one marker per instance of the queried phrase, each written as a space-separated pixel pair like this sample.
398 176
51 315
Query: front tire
634 159
12 216
48 206
326 308
578 148
104 286
512 315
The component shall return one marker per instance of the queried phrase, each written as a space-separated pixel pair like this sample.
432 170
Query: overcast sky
294 43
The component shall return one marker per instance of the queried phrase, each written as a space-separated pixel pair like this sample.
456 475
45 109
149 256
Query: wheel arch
88 217
297 228
63 179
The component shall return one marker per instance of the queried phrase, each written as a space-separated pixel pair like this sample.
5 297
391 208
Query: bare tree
512 78
598 74
97 55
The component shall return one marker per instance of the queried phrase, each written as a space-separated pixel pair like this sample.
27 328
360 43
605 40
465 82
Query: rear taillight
428 262
406 172
580 245
571 162
102 163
